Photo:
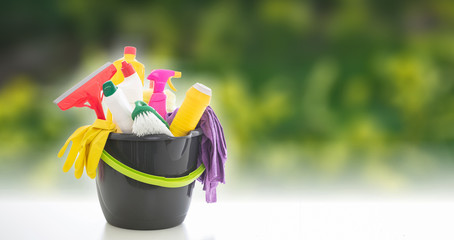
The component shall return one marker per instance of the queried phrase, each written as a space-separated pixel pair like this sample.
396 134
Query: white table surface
296 218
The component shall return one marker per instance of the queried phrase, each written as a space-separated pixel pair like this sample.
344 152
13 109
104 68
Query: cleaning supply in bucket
212 152
130 57
171 100
159 78
148 121
131 85
148 92
196 100
87 145
88 90
118 105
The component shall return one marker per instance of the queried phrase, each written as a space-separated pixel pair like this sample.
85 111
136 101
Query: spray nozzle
160 77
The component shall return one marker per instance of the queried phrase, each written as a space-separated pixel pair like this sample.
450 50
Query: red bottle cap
130 50
127 69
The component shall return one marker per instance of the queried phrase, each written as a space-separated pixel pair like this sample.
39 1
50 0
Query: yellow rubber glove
76 138
109 118
97 145
87 145
85 149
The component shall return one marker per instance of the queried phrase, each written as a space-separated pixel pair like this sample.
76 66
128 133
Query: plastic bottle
148 92
171 100
197 99
130 57
131 85
118 105
159 78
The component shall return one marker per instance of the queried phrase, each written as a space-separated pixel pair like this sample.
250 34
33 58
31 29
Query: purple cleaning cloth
212 152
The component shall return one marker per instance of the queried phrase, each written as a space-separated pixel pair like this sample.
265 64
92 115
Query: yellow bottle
130 57
197 99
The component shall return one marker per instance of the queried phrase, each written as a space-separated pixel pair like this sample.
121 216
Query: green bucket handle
152 179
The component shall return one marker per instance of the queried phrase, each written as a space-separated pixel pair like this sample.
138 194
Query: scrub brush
148 121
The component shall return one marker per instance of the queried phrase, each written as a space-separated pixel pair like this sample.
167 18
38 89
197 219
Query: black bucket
146 182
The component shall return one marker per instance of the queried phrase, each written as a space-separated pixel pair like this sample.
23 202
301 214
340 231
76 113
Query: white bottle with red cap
132 85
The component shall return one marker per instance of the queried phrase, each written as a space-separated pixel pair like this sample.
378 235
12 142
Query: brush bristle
147 123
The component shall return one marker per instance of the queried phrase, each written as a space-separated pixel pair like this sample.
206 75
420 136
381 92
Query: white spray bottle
118 105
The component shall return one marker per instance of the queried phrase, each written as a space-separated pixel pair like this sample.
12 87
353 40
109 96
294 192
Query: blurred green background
311 94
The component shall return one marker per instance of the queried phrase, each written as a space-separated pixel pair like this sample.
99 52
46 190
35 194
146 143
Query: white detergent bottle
119 106
131 85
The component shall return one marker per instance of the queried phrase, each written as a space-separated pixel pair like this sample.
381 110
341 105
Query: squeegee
88 91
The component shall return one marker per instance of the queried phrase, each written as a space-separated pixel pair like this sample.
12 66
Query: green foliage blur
309 92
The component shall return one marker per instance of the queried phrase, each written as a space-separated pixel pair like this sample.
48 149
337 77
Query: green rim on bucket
151 179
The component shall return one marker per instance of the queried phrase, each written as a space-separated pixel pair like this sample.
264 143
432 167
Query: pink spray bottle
158 99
